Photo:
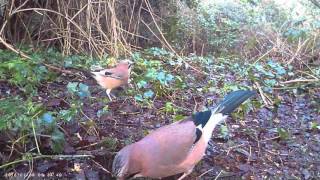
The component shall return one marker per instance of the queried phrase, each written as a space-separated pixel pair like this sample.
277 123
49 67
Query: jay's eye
107 73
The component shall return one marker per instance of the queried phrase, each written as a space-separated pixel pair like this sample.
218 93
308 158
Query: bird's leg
185 174
108 93
129 83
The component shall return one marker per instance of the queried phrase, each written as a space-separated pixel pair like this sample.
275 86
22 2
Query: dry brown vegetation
119 27
97 27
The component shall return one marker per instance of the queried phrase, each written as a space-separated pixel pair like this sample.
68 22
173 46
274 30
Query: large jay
175 148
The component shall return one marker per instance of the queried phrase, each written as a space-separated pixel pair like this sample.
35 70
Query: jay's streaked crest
175 148
114 77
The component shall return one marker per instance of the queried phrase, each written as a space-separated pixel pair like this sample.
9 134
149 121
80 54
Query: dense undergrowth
34 126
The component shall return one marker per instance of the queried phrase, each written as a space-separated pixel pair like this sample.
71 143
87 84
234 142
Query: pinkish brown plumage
114 77
174 148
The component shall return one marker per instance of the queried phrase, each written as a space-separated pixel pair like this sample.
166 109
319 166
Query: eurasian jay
177 147
114 77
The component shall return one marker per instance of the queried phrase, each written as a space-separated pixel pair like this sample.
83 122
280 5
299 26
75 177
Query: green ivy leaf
72 87
138 97
178 117
151 73
161 77
148 94
102 111
67 115
83 91
169 107
57 141
315 126
270 82
284 134
224 131
169 77
142 84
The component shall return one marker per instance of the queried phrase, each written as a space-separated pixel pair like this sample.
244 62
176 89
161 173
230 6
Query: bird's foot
185 174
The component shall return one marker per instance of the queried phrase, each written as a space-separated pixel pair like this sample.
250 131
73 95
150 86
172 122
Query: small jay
114 77
177 147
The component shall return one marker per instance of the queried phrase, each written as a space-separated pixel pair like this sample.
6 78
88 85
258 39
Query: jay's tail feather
233 100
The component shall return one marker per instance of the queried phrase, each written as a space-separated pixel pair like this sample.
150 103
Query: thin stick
35 137
9 46
300 80
268 139
236 146
34 131
218 175
265 54
261 94
205 173
100 166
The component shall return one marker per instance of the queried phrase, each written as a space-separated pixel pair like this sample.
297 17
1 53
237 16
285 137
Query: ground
265 142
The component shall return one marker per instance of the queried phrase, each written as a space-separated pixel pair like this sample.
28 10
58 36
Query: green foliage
57 141
283 133
21 115
158 52
79 89
79 92
271 73
224 26
17 113
103 111
69 114
151 76
26 74
314 126
224 131
178 117
110 143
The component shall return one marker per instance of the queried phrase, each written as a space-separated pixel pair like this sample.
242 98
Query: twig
94 128
297 51
16 141
250 154
236 146
100 166
9 46
34 131
22 54
205 173
314 74
59 69
218 175
264 99
265 54
268 139
195 104
35 136
300 80
90 145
